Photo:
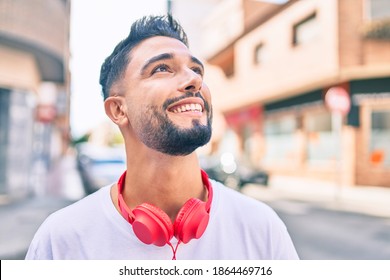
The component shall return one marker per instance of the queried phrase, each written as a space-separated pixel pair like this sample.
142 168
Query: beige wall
225 23
18 70
50 22
287 70
359 57
337 55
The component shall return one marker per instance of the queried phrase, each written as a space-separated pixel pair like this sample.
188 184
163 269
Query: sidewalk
21 219
368 200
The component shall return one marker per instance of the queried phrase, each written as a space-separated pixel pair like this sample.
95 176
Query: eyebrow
166 56
197 61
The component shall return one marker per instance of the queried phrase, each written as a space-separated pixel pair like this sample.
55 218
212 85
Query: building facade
281 65
34 91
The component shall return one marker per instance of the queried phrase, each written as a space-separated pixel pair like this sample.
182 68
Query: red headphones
153 226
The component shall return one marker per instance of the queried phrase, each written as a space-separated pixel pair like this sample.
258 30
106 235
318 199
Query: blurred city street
324 220
299 88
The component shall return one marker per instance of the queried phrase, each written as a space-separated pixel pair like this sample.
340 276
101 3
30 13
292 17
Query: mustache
170 101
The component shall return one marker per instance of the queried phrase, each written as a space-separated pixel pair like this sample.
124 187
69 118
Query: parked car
233 173
99 166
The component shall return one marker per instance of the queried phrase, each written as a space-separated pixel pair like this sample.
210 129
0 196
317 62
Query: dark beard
161 134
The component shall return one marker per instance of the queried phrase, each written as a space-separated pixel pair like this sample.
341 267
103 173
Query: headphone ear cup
152 225
191 221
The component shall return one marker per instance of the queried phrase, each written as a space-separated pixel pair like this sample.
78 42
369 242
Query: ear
115 108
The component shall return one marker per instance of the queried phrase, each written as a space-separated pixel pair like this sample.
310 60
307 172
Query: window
280 141
319 123
285 125
379 140
306 30
378 9
260 55
322 147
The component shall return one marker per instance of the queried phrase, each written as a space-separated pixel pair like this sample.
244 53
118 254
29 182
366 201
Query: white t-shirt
240 227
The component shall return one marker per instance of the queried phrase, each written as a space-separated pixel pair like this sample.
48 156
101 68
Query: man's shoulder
89 205
69 226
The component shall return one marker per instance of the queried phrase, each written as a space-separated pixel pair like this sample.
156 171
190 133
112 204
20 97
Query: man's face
168 104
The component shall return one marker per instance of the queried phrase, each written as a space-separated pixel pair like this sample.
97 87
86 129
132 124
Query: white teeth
188 107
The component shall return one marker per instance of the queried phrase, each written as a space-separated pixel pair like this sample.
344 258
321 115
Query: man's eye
161 68
198 70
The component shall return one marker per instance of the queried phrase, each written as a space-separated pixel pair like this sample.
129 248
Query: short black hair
115 65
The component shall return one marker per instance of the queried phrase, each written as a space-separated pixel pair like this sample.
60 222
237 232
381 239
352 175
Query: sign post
338 101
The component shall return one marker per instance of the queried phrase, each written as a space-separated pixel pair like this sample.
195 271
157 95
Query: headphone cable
174 250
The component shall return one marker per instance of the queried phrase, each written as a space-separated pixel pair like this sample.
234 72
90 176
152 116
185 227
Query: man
163 206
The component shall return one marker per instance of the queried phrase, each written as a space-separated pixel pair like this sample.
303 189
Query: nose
191 81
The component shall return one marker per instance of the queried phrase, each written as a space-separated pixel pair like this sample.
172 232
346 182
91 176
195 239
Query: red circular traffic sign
338 100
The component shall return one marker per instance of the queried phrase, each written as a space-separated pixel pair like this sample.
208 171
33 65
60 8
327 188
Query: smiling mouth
189 107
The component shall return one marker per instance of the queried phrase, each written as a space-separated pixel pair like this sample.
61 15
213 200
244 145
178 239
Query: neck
164 181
